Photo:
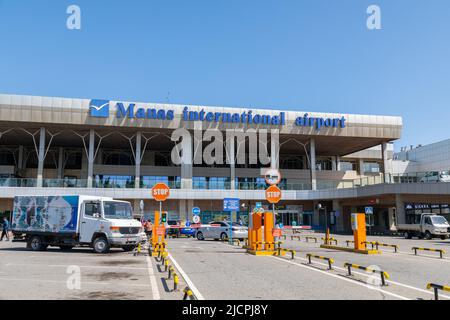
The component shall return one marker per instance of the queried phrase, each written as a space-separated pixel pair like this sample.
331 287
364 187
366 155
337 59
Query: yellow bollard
175 282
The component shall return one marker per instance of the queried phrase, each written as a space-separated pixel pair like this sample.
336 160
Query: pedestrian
5 229
148 228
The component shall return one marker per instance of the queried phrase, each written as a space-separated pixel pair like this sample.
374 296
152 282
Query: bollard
384 275
175 282
436 288
329 260
377 244
166 265
441 252
188 294
171 271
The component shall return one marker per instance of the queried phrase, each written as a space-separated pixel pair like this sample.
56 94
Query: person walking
5 229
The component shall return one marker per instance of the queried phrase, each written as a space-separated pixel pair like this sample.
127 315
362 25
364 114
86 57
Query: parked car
187 230
221 230
173 228
443 176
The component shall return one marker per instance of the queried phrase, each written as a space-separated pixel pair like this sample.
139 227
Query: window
118 210
91 208
348 166
371 167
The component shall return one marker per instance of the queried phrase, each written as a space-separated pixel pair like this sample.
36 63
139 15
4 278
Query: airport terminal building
60 146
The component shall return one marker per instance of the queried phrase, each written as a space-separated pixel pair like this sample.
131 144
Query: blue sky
313 55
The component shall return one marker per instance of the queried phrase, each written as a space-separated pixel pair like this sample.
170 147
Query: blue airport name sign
101 109
231 204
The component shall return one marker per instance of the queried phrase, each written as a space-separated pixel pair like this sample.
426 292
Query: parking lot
218 270
222 271
53 274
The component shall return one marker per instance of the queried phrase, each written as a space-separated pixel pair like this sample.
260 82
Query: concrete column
361 167
186 163
190 205
41 158
137 171
274 150
400 209
316 214
60 163
337 160
91 154
333 164
20 159
232 161
339 227
182 209
312 158
384 165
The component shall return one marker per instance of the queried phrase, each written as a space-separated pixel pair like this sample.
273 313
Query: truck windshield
117 210
439 220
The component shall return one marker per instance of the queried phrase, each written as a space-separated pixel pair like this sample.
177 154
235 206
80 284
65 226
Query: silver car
221 230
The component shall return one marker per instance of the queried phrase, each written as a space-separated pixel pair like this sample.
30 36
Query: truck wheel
427 235
36 244
443 237
101 245
407 235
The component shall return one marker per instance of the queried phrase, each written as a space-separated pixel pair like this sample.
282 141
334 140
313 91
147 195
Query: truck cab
106 223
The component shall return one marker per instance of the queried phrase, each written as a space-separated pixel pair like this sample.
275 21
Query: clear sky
308 55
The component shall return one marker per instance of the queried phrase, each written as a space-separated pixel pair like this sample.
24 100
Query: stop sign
160 192
273 194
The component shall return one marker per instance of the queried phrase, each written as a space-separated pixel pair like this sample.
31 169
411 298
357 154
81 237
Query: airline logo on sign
160 192
273 194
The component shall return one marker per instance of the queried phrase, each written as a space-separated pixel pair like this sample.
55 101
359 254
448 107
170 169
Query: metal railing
129 183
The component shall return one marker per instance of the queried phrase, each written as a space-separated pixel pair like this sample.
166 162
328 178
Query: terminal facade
60 146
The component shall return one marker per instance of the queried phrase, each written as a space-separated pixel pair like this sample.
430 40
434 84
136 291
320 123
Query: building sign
101 109
424 206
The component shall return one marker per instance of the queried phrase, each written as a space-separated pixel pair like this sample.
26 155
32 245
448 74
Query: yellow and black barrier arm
330 240
261 243
372 243
312 238
436 288
441 252
379 244
292 252
329 260
349 241
384 275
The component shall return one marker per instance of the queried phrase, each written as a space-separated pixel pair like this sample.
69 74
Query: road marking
187 279
387 281
343 279
67 265
153 283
